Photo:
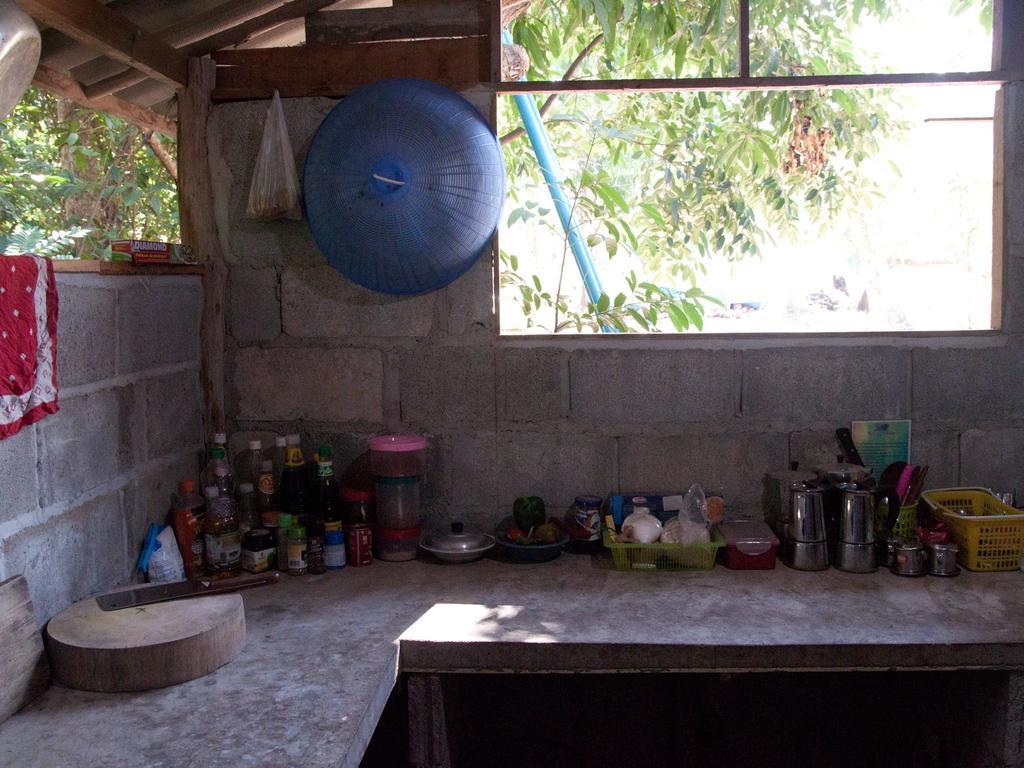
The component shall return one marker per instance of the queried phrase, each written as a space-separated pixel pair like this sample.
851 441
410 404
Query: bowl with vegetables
528 535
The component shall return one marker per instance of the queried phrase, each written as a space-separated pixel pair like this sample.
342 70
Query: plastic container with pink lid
398 455
749 545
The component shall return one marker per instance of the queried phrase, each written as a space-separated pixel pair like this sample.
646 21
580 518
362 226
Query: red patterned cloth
28 342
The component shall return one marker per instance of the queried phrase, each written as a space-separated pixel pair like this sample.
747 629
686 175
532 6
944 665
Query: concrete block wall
79 488
309 351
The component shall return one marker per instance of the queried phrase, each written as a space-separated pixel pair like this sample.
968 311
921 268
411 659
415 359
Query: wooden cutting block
24 673
151 646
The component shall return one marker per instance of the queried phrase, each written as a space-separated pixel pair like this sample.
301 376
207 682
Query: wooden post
428 732
1007 34
744 41
1007 55
199 229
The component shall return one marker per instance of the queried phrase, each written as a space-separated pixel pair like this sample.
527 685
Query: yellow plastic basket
990 534
663 557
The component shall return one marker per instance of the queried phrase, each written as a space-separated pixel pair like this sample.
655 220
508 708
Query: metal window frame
1007 68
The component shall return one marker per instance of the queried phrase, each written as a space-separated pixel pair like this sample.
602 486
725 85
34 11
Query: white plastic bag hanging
274 192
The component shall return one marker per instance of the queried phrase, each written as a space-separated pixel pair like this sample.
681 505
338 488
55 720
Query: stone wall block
18 485
940 450
533 384
810 448
350 448
173 422
555 466
70 557
968 386
86 334
475 469
447 385
285 383
92 439
809 385
992 459
255 308
436 484
238 441
728 464
320 302
158 322
654 386
237 129
470 302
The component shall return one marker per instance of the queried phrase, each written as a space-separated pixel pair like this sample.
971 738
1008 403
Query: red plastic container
750 545
396 544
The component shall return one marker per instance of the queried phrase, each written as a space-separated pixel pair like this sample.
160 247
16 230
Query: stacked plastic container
397 463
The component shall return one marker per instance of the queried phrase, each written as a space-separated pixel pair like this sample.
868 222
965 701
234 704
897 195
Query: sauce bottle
221 536
293 482
297 550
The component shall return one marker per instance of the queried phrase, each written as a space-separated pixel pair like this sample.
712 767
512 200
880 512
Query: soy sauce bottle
293 483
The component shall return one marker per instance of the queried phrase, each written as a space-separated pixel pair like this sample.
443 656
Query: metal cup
910 559
942 559
807 518
857 517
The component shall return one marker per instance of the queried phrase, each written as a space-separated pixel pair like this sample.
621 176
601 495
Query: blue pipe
549 167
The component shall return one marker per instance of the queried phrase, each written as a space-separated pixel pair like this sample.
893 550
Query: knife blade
177 590
845 439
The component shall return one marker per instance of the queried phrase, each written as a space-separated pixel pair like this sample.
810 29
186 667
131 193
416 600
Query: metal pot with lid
455 544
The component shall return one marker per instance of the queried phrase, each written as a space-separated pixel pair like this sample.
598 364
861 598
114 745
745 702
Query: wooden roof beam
62 85
222 39
94 24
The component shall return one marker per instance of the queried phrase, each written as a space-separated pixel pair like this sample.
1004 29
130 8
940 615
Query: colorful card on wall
880 443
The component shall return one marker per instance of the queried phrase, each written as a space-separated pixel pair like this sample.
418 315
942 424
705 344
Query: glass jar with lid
583 524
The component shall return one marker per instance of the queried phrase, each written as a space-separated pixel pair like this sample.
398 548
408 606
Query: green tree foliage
679 178
73 179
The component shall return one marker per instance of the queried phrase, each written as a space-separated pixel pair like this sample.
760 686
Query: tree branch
550 101
154 143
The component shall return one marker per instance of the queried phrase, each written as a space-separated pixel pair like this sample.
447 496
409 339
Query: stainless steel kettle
806 516
777 496
857 516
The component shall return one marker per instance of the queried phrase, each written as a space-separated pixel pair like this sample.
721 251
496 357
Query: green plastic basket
906 522
663 557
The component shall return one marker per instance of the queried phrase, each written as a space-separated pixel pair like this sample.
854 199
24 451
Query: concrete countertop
322 653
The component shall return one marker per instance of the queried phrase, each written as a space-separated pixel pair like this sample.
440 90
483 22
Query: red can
358 544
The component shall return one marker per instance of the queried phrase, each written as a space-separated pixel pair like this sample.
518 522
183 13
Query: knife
845 439
177 590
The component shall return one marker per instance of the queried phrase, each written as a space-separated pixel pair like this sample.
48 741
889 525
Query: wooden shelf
124 268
